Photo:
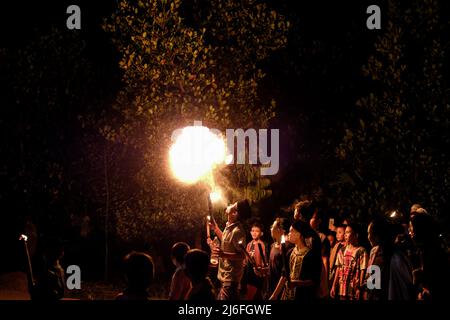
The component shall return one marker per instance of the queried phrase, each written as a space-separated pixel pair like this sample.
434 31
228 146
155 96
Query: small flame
240 242
393 214
23 237
208 217
283 239
215 196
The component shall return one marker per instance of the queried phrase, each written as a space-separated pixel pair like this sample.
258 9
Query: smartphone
331 224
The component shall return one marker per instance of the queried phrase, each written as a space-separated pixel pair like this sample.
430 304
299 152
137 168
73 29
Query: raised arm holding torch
210 221
283 255
263 270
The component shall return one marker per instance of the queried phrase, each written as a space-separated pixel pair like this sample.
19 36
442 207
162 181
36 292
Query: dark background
316 81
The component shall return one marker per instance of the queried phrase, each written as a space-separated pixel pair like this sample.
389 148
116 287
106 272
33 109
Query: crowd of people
407 260
400 260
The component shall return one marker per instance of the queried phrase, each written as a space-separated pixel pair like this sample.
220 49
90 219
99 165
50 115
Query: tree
395 152
44 98
184 61
51 163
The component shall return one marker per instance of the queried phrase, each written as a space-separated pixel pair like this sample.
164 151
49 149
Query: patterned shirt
350 262
333 256
295 263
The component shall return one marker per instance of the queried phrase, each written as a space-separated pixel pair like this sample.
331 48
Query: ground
13 286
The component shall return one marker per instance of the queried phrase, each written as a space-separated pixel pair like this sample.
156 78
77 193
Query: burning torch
30 277
196 152
283 256
213 197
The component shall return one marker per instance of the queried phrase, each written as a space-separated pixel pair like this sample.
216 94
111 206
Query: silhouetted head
139 270
197 263
53 249
304 210
423 229
316 219
244 210
380 232
179 249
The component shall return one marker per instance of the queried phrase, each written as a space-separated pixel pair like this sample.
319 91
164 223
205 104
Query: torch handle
209 206
262 254
30 277
211 217
208 231
213 220
249 257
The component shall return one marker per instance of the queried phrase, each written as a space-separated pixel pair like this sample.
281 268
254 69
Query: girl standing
351 264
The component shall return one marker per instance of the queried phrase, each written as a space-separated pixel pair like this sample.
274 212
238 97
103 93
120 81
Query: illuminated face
314 222
293 235
340 234
350 235
276 231
174 262
232 213
411 230
372 239
256 233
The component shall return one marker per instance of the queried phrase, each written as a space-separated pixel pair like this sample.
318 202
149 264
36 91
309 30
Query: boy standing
231 252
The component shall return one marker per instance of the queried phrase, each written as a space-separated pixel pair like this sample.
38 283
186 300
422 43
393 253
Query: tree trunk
105 165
